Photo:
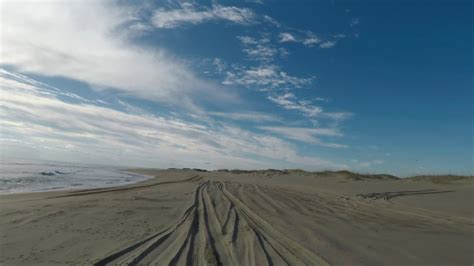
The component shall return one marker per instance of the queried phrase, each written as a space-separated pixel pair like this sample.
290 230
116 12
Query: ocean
19 176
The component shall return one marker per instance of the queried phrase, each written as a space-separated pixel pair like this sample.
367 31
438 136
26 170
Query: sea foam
17 176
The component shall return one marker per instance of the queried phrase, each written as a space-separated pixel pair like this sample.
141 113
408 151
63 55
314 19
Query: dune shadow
395 194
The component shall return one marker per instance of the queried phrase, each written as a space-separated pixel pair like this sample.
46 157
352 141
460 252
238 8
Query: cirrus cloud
190 14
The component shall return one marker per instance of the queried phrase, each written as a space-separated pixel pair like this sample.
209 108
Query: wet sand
245 218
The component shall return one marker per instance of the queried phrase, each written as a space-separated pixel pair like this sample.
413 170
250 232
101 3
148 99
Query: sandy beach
188 217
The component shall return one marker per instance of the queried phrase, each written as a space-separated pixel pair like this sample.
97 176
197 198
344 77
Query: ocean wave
34 176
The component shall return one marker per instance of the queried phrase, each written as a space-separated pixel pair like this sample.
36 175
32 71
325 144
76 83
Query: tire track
217 229
107 190
291 251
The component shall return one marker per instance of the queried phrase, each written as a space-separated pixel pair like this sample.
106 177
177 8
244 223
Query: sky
368 86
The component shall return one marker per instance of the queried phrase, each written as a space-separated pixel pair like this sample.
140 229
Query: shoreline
132 172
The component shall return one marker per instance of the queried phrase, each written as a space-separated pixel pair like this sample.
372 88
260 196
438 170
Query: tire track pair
210 235
107 190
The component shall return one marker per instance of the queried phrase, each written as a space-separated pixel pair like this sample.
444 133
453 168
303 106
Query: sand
245 218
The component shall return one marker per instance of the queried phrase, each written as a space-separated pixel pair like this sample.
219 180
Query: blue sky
370 86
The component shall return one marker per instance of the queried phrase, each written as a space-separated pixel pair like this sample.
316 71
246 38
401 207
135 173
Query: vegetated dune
344 173
442 179
235 217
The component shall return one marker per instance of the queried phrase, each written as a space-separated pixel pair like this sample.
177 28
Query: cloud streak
307 135
35 120
309 39
246 116
290 102
190 14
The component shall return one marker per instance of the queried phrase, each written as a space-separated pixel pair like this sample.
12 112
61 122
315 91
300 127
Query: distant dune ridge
340 173
246 217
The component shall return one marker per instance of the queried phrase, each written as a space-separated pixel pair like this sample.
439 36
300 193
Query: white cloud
189 14
90 42
255 1
219 65
338 116
311 41
246 116
307 135
321 99
250 40
260 49
290 102
261 52
265 77
35 121
328 44
287 37
272 21
298 131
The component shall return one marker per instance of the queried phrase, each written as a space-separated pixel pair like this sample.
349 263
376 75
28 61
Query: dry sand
255 218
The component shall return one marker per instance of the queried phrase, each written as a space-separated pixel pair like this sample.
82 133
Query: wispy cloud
310 39
308 135
261 2
246 116
37 122
264 78
337 116
327 44
219 65
290 102
192 14
260 49
271 21
322 99
286 37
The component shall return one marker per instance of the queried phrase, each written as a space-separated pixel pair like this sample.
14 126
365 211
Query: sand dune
187 217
